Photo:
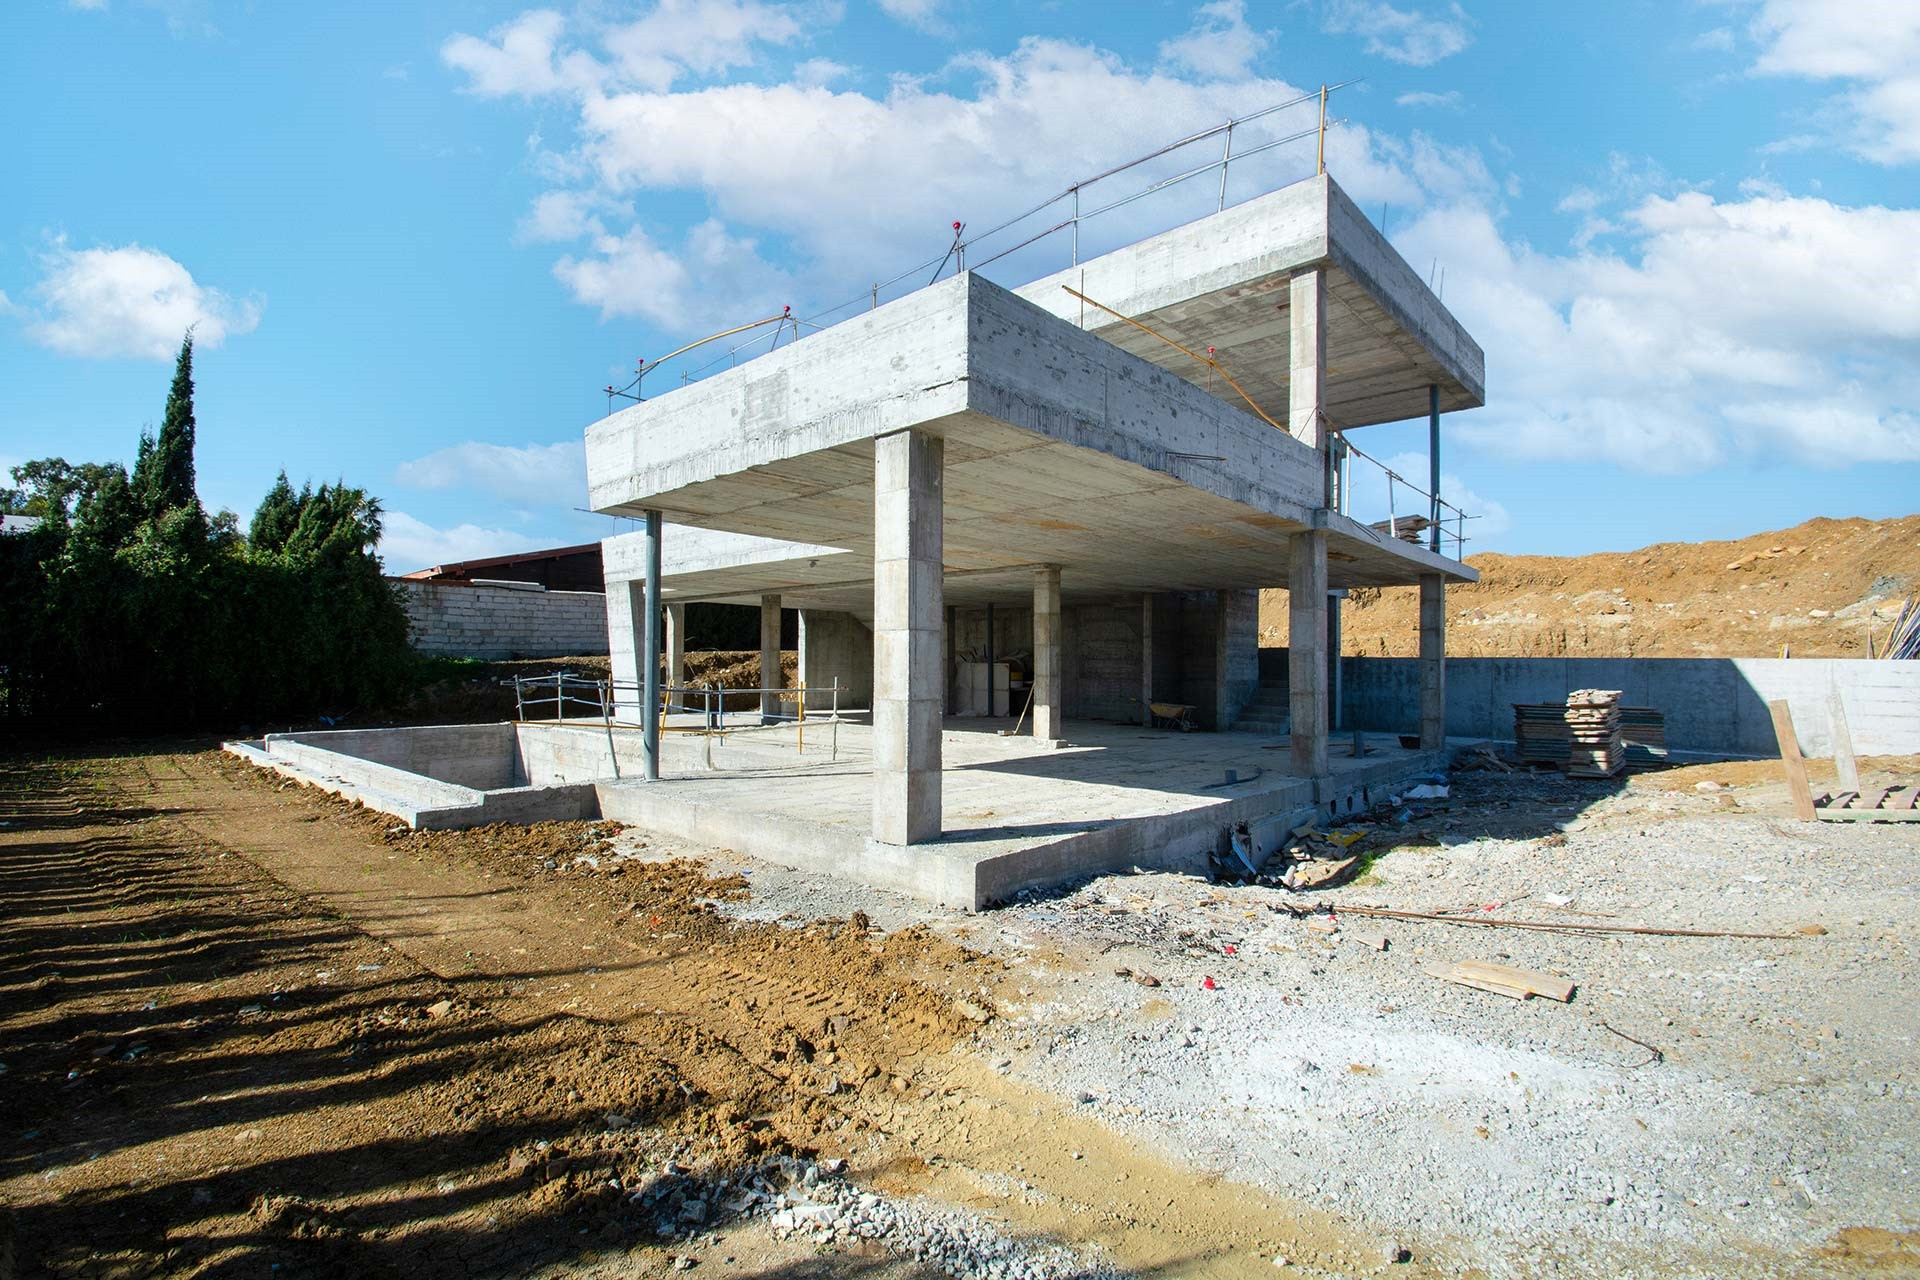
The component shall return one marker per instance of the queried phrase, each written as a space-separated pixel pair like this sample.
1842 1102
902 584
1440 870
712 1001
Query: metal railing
1398 525
957 251
608 700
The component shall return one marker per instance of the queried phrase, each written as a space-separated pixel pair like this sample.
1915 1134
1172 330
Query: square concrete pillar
908 607
770 677
1222 663
1307 652
1307 391
676 649
1433 662
1048 710
1146 660
626 641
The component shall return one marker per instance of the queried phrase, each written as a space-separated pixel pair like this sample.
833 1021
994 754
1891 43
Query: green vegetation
129 607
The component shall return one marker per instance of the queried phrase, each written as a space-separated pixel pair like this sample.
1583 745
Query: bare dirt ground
1822 587
247 1029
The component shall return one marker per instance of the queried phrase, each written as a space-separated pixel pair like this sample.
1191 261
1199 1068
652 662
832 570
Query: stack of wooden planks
1582 736
1644 731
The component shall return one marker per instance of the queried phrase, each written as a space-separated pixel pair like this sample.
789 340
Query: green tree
163 473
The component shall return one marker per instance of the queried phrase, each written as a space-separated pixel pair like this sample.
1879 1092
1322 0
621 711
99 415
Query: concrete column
908 597
1333 656
650 657
1307 652
1433 662
626 638
1222 664
1146 659
1433 461
770 677
1048 710
1307 390
676 645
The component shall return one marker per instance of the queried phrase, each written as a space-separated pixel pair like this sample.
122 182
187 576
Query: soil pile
1820 589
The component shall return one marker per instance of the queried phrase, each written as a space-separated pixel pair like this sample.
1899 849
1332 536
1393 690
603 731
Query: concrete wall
480 756
836 645
499 622
1716 705
1102 677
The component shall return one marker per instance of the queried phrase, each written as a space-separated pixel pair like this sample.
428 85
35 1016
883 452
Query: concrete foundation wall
1715 705
499 622
478 756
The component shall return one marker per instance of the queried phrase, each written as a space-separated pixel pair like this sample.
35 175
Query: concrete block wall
1102 644
1712 705
836 645
498 622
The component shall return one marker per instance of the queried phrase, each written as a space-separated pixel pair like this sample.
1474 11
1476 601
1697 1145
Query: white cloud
532 475
407 544
560 216
519 59
130 301
1450 100
712 280
7 305
1220 45
1374 497
1765 327
923 14
1400 35
1874 45
817 73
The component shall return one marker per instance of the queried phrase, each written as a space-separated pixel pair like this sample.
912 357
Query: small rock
440 1009
972 1012
1707 784
1395 1253
1279 1259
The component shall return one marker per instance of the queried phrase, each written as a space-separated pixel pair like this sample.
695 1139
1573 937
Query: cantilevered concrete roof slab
1222 282
1060 449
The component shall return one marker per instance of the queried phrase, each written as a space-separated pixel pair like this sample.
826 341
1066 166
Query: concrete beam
1433 662
1049 712
908 512
1307 653
770 677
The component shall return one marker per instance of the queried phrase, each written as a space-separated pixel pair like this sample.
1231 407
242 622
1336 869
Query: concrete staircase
1268 711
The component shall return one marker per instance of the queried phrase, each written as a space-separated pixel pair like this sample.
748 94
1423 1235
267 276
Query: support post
1307 390
650 657
770 677
676 647
1307 652
1047 682
1433 462
1334 599
908 599
1146 660
1222 662
1433 662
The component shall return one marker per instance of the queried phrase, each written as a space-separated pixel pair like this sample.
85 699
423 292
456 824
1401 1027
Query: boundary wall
460 621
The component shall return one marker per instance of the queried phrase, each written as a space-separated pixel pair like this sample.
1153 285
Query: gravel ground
1711 1106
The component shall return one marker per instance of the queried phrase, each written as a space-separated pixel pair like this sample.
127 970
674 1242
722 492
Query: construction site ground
1821 589
249 1030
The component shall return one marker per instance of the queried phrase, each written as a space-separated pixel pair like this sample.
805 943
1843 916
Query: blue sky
416 240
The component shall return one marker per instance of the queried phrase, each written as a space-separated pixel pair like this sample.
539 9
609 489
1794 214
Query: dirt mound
1820 589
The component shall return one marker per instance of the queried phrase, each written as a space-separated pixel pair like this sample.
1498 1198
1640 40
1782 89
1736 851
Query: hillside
1822 587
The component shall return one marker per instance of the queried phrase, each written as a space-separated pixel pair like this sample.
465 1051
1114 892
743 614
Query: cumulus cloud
129 302
531 475
1410 36
922 14
1873 46
711 278
1220 45
408 544
1450 100
1773 327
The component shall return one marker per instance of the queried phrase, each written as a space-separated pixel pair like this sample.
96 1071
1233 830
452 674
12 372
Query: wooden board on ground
1504 980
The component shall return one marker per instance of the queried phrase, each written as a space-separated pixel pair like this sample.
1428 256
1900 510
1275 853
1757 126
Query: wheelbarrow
1173 715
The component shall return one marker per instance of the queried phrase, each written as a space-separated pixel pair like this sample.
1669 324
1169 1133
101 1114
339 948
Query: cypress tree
163 474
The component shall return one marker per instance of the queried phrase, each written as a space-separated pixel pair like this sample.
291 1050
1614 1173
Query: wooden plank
1791 761
1540 984
1878 800
1451 973
1844 765
1868 815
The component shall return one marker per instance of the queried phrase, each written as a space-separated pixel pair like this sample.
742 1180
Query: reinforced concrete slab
1061 449
1014 814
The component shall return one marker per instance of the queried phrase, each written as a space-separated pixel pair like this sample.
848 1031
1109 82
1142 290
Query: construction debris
1503 980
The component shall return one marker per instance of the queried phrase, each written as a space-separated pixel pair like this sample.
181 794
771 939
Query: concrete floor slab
1015 814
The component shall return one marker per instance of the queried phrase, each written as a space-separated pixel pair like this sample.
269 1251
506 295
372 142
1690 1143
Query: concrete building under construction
1057 475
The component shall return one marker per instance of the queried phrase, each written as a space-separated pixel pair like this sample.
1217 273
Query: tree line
129 607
